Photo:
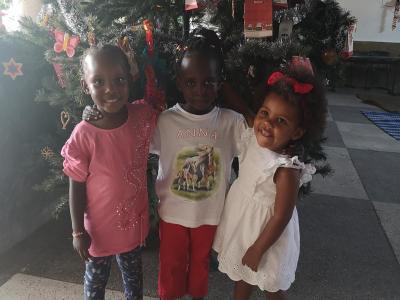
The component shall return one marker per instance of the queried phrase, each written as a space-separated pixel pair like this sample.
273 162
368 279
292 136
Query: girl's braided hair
204 42
112 51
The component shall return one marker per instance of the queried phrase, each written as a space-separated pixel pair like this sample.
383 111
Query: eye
210 82
97 82
281 120
121 80
263 113
190 83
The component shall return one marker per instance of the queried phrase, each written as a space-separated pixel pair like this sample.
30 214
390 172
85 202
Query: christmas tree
151 32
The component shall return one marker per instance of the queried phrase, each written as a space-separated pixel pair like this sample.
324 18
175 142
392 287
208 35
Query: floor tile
388 214
347 100
334 138
349 114
367 137
380 174
344 181
344 252
22 287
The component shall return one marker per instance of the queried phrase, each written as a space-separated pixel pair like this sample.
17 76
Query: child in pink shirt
106 161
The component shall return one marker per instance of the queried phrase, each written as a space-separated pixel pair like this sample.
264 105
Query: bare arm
77 206
287 186
233 101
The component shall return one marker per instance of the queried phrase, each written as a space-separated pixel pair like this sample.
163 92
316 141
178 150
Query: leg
96 277
174 252
201 239
242 290
130 265
279 295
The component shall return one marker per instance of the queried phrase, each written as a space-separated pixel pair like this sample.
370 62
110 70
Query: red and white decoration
302 62
280 4
257 18
348 44
190 4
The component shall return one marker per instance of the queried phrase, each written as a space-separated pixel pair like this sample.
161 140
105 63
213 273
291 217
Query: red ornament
60 74
302 62
257 18
148 28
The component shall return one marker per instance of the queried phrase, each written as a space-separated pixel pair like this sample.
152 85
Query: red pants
184 260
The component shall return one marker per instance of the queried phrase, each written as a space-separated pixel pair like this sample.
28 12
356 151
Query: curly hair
204 42
313 109
110 51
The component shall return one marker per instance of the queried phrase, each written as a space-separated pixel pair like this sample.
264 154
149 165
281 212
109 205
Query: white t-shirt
196 153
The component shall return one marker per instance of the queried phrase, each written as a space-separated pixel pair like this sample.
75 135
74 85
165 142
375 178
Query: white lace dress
248 207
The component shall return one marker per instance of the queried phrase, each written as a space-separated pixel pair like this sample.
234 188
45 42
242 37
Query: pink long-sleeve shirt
113 165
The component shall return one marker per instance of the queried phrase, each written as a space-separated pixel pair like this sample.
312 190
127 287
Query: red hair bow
298 87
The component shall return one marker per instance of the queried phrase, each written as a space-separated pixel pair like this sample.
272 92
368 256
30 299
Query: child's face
107 82
277 123
198 80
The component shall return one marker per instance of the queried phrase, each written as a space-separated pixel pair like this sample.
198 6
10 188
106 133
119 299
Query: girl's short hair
111 51
204 42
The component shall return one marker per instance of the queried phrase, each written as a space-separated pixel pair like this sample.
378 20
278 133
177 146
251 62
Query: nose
109 86
200 89
268 123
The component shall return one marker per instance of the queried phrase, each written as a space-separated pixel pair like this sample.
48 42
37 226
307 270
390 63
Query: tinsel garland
73 17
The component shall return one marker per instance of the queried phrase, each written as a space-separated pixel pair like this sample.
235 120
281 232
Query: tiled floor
350 227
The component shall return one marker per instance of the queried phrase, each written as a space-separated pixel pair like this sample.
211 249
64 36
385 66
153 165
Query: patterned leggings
98 271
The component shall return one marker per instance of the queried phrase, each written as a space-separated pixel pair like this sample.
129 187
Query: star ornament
12 69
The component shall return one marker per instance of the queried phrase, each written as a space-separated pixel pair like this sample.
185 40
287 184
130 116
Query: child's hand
91 113
252 258
81 245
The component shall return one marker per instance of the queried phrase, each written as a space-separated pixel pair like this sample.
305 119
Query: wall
29 8
374 20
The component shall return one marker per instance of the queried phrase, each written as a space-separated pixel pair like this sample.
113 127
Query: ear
298 134
84 87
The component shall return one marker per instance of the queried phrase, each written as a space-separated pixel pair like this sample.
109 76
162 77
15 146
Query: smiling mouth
111 100
265 132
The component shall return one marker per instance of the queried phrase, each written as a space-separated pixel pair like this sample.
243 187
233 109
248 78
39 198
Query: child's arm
287 186
77 204
233 101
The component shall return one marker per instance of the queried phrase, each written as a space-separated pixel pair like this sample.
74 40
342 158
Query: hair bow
298 87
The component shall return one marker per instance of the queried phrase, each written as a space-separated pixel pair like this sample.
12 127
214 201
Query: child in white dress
258 238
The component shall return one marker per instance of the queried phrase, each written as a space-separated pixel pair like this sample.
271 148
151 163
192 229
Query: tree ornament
257 18
123 43
303 63
148 28
279 4
12 68
191 4
47 153
65 117
65 42
233 8
285 29
60 74
347 50
44 15
330 57
396 16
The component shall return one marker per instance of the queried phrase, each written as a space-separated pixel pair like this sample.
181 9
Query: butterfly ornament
65 42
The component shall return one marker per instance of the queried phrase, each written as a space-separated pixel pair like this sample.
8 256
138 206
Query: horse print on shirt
197 172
